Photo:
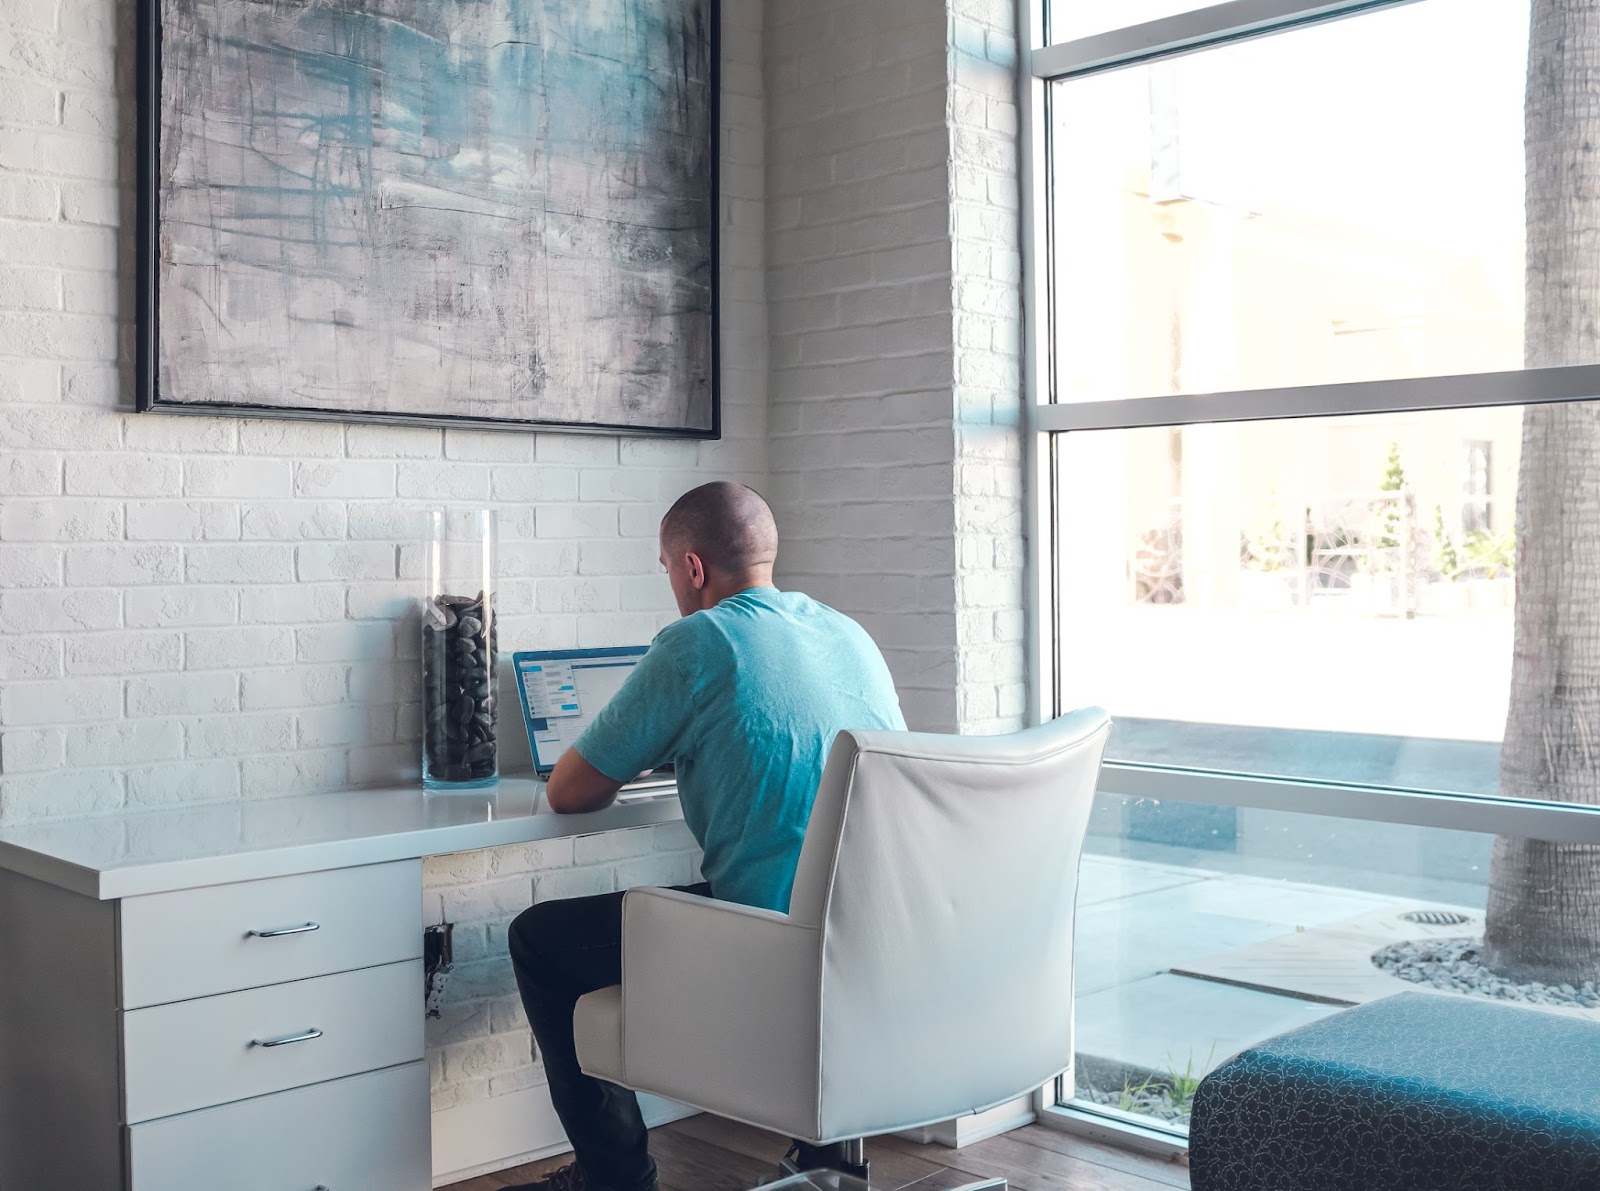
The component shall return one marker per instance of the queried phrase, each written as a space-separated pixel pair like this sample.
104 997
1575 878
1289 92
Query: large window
1313 346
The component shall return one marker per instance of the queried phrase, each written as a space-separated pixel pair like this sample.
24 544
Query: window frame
1041 63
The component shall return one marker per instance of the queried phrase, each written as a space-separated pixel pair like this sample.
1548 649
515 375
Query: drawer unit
216 1050
198 942
146 956
364 1133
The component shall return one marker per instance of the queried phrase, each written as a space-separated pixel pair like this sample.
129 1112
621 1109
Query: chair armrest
720 1007
674 906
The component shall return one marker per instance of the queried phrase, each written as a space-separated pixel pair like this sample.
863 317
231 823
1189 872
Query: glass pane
1340 202
1203 930
1335 598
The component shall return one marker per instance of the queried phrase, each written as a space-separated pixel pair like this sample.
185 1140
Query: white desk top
156 851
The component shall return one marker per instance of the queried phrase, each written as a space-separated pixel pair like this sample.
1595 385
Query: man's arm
576 787
636 731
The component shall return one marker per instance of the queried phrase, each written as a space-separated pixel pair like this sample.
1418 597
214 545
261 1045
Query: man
744 695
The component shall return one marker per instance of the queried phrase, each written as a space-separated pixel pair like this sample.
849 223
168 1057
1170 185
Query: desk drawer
195 1054
198 942
365 1133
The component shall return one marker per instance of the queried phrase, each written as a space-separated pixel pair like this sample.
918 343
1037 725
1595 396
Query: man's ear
697 570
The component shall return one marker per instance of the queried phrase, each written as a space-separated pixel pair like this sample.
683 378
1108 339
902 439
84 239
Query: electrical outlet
437 960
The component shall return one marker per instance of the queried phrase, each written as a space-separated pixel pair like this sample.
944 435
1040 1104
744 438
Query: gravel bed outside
1155 1103
1456 966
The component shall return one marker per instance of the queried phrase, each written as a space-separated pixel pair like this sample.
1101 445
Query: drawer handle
287 1039
282 931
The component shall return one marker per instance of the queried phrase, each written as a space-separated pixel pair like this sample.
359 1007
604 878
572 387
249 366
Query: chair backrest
943 872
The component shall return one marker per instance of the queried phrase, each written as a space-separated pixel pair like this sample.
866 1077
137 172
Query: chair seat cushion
597 1029
1416 1092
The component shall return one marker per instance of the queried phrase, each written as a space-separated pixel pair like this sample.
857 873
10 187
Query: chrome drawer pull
282 930
307 1036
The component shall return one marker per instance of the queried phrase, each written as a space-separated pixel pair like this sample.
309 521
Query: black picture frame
147 277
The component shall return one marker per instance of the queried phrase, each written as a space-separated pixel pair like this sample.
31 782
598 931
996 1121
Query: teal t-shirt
745 699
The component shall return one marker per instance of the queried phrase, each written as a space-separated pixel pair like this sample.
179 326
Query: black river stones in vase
459 644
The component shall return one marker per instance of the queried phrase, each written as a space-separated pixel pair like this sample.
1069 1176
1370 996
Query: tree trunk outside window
1544 898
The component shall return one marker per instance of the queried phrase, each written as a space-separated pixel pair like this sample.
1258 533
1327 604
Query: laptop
562 690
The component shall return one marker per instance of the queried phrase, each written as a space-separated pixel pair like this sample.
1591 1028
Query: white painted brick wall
207 609
204 566
479 1045
893 261
986 230
859 289
204 609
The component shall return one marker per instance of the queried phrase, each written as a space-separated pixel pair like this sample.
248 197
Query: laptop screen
562 690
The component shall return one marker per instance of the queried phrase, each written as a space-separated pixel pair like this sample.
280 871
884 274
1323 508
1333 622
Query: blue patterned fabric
1415 1092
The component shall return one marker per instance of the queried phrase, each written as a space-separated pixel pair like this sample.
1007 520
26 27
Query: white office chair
924 970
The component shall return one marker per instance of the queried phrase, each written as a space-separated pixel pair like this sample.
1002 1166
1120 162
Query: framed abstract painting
464 212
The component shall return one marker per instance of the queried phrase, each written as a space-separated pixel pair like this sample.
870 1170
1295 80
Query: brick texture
893 260
198 609
248 584
203 609
991 663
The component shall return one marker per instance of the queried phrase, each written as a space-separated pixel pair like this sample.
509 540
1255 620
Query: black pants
562 950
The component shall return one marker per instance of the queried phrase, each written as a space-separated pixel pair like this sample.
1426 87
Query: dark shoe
569 1178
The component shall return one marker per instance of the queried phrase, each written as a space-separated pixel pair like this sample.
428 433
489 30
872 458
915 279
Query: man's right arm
577 787
643 726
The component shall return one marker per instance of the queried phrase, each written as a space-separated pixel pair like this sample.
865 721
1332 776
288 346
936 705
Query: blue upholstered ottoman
1411 1093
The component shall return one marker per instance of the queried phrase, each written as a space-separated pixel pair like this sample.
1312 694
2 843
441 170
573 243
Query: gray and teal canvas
489 209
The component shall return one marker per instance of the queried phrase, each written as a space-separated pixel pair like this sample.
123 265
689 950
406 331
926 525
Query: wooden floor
706 1153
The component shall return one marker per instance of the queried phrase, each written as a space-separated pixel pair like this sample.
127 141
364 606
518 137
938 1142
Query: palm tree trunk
1544 898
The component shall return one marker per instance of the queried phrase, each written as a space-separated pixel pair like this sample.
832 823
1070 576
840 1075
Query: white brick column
892 252
986 231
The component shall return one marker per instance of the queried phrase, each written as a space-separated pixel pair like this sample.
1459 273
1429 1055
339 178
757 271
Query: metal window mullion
1531 386
1100 1124
1189 31
1564 822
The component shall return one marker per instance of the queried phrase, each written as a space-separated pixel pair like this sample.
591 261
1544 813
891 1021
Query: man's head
716 541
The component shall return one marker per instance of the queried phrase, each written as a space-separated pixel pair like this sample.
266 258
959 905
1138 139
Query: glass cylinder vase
460 642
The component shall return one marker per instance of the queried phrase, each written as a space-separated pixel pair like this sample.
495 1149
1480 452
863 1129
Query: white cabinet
196 942
143 956
364 1133
270 1036
194 1054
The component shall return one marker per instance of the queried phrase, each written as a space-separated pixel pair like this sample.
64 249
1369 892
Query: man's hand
576 787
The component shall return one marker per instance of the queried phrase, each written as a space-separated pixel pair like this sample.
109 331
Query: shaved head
728 525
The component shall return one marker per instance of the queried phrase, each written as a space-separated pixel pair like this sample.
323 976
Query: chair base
848 1158
787 1169
863 1171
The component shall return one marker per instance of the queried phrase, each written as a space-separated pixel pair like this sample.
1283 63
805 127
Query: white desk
231 996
